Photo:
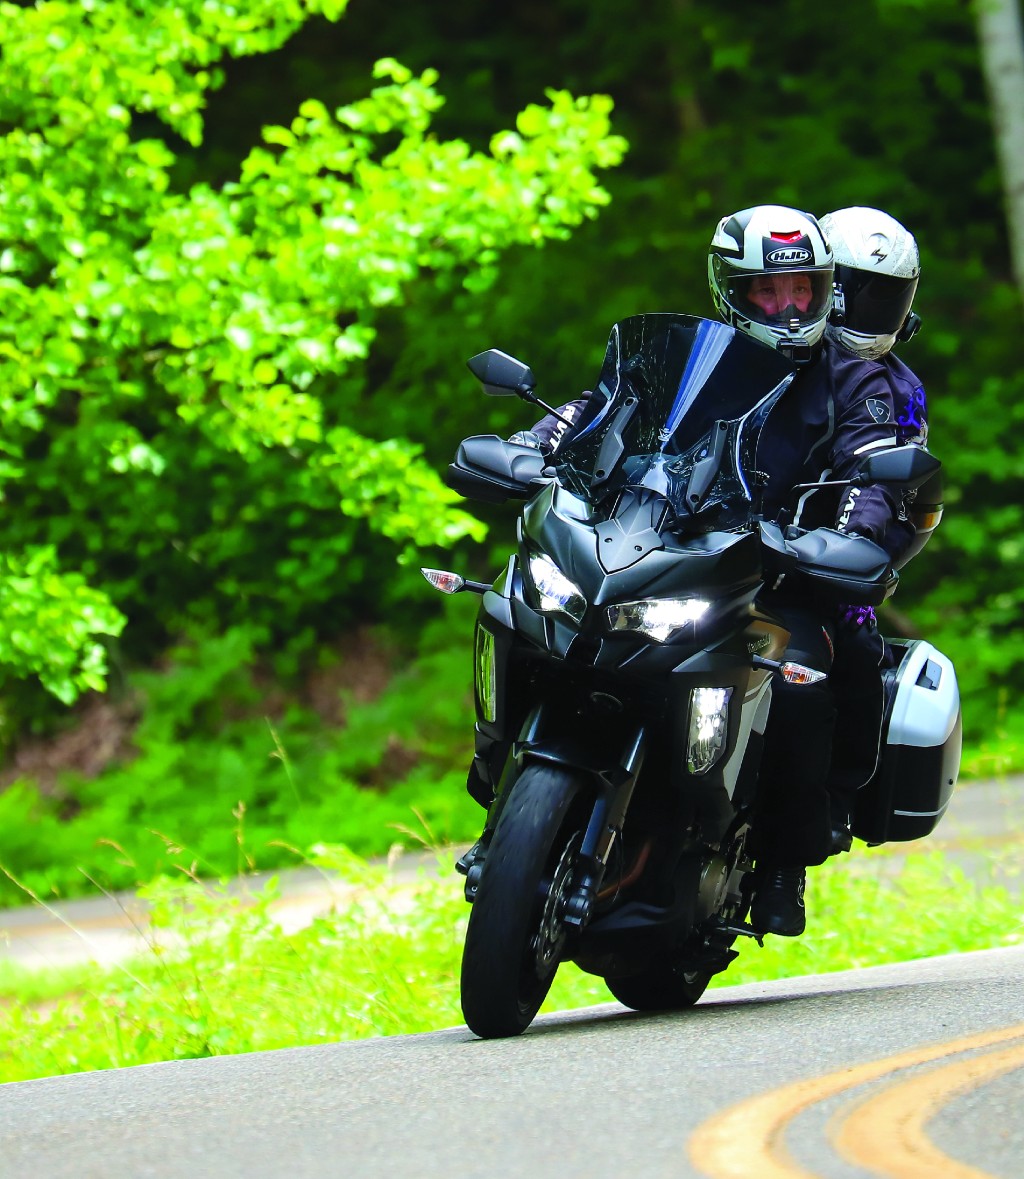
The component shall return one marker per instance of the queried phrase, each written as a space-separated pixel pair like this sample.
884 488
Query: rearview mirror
906 466
500 374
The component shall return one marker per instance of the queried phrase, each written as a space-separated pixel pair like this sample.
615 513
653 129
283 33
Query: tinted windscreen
676 409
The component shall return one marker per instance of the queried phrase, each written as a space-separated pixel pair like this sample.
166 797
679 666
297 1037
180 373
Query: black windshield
677 409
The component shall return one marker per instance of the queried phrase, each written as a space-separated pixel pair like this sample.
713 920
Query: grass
1001 756
220 975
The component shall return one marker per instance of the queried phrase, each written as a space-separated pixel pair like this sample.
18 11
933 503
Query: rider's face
774 293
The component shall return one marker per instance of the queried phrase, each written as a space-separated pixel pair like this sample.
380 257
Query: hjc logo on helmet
791 256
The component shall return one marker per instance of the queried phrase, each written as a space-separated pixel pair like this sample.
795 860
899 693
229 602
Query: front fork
615 790
613 780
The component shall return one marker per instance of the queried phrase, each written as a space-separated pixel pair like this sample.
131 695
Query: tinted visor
777 296
876 304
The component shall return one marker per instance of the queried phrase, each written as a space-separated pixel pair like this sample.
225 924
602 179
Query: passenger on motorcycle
877 267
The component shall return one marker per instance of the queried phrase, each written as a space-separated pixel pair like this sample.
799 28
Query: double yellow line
883 1132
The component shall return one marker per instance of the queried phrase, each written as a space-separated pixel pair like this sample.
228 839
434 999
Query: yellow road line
746 1140
886 1132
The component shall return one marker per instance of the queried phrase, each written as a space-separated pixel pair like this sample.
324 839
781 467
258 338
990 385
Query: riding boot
779 901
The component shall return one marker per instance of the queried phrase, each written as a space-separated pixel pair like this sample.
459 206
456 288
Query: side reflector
485 679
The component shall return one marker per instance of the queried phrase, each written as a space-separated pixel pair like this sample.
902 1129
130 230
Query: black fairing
653 499
634 530
634 554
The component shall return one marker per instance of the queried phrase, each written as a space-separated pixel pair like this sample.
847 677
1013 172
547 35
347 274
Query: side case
920 752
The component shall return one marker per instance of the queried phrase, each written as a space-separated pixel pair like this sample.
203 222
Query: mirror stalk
527 394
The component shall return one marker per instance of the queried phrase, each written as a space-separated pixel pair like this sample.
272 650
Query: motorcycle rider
877 268
838 409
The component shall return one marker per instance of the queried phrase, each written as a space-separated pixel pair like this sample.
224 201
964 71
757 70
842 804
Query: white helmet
770 272
877 268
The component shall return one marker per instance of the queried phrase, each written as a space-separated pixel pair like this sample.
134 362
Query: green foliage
181 399
49 624
1000 755
229 772
222 977
236 314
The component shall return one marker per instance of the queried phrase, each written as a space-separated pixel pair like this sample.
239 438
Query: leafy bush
238 768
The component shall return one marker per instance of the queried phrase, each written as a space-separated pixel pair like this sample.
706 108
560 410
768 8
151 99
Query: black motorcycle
623 672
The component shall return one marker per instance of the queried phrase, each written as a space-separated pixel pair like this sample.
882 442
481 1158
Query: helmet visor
776 297
875 304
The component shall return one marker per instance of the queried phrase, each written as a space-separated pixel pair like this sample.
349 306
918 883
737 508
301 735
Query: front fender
609 771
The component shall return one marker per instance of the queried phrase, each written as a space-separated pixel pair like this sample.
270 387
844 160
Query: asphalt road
914 1069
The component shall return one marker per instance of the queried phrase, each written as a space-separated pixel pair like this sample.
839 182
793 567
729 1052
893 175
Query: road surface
915 1069
911 1070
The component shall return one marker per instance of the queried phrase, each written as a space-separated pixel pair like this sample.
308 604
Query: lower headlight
485 677
556 594
658 618
708 728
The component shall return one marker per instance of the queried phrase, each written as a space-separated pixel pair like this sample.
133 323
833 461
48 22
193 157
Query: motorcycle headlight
708 728
486 679
556 594
658 618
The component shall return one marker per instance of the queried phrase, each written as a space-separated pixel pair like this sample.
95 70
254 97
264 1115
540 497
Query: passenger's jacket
836 412
909 401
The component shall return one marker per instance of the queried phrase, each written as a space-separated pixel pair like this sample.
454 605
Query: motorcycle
623 670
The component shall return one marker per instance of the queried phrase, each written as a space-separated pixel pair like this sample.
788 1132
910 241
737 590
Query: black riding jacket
838 409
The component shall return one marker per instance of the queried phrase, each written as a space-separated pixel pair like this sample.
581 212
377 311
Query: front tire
515 935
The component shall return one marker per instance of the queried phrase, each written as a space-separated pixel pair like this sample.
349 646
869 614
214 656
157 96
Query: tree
181 366
1001 40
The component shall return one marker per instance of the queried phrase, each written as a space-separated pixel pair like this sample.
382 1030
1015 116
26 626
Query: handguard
489 469
845 568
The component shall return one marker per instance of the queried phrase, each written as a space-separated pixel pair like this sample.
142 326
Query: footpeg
742 931
842 839
465 861
473 879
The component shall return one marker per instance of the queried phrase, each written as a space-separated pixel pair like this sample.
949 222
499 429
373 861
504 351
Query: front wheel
516 936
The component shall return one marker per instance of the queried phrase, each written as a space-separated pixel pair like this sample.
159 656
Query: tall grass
221 976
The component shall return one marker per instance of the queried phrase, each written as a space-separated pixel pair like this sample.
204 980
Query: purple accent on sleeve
858 615
915 411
